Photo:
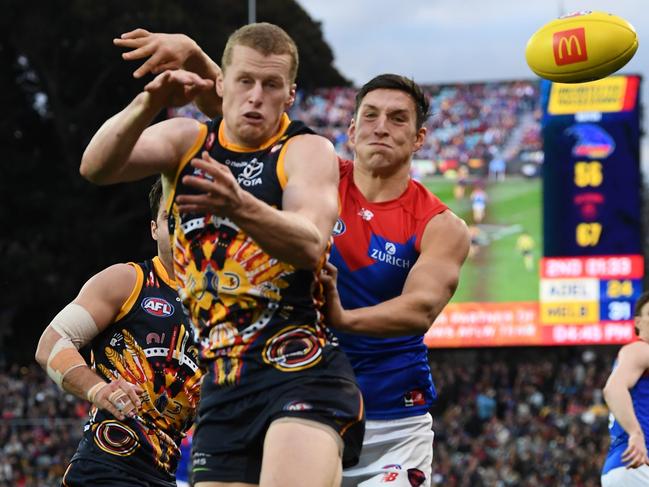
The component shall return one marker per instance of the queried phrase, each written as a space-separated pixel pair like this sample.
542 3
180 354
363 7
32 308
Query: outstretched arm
633 361
429 286
172 51
125 148
91 312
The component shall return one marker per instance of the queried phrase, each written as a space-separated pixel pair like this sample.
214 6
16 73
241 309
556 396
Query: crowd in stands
505 417
521 417
40 428
470 124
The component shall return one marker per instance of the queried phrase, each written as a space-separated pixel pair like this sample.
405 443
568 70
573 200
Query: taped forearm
76 328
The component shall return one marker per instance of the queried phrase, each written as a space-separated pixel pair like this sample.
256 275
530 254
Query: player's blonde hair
266 39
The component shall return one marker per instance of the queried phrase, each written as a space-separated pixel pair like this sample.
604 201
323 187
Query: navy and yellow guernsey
258 318
150 344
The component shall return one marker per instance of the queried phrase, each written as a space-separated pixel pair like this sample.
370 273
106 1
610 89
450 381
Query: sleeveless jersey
258 318
375 246
619 437
150 344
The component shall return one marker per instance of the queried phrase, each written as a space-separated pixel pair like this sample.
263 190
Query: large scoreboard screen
584 243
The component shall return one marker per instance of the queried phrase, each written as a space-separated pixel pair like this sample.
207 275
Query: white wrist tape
92 392
77 328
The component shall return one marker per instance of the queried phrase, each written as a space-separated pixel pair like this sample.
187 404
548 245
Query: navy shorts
228 441
86 473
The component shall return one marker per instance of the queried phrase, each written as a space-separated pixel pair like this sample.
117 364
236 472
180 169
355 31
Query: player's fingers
132 393
627 454
165 66
121 400
148 66
135 33
634 459
209 165
139 52
209 191
197 88
114 411
130 43
157 82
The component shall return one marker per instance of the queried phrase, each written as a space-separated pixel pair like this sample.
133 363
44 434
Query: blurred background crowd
504 417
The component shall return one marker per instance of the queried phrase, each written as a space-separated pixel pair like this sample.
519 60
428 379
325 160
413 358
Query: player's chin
254 135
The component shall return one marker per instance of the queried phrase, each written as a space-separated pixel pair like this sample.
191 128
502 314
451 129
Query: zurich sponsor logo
339 227
389 255
250 174
158 307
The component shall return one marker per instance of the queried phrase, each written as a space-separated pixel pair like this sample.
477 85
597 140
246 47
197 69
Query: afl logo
157 307
339 227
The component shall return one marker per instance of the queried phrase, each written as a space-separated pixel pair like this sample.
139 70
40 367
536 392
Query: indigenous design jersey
619 437
257 317
150 344
375 246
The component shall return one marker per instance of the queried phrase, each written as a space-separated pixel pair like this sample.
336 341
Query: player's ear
154 230
420 139
219 84
291 95
351 130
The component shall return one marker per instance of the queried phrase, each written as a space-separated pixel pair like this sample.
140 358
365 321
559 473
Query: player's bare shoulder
448 230
636 352
114 283
314 151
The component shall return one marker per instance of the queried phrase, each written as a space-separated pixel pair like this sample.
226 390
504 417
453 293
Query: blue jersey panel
619 437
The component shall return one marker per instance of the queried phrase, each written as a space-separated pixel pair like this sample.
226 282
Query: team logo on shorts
414 398
416 477
293 348
158 307
116 438
339 227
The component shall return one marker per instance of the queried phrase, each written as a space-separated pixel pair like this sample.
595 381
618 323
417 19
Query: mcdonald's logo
569 46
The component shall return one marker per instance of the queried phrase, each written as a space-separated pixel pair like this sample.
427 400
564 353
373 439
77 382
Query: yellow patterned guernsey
258 318
150 344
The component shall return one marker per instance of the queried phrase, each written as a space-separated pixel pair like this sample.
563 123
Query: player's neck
381 185
168 266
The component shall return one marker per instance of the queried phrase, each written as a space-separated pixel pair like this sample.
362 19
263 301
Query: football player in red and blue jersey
396 258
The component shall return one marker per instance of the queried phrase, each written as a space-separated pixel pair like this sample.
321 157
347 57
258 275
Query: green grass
497 272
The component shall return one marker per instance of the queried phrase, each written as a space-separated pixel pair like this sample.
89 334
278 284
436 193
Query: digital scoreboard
591 270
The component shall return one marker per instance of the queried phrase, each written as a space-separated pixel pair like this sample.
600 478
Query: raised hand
177 88
164 51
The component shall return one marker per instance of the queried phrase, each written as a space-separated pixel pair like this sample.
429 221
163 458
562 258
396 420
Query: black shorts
86 473
228 441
